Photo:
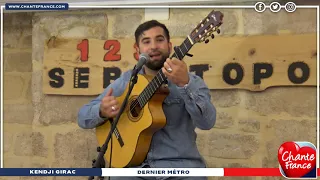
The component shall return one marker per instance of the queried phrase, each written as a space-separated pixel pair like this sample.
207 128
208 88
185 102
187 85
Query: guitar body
136 130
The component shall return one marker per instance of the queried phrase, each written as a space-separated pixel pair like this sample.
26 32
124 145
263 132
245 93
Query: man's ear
170 47
135 46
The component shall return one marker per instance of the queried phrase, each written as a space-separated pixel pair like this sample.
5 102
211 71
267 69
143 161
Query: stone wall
42 130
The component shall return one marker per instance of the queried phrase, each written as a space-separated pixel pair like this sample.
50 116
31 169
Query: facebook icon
260 7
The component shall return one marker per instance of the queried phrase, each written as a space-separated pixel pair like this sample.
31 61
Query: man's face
154 43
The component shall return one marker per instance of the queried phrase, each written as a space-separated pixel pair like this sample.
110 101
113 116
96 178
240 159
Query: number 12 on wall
112 47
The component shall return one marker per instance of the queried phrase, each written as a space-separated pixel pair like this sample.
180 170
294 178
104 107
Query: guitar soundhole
135 109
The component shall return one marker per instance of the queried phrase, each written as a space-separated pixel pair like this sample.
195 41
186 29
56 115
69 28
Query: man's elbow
210 121
82 121
210 124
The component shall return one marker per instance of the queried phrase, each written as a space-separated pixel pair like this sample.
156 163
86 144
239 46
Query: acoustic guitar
143 115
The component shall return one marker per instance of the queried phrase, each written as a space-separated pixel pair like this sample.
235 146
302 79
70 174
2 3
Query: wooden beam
253 62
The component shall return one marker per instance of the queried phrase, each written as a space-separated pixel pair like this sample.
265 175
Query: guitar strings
146 90
136 101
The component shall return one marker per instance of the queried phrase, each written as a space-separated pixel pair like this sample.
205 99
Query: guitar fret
157 79
185 47
157 83
161 77
182 54
188 43
149 93
144 99
153 86
176 56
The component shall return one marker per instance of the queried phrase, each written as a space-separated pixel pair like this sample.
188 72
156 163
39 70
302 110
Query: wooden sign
87 66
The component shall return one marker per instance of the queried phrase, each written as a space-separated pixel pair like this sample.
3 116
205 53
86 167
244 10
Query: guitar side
135 131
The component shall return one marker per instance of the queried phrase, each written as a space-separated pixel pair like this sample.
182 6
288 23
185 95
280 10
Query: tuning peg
206 41
212 36
218 31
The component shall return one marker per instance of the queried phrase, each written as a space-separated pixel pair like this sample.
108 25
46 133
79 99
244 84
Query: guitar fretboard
159 79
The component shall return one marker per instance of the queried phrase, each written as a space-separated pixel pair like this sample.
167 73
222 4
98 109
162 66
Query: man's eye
146 42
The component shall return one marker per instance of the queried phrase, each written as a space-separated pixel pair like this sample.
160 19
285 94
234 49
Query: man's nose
154 45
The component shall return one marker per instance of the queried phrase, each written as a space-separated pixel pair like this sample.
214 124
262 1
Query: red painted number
83 47
113 46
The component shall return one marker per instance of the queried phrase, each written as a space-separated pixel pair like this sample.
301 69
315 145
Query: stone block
71 25
296 101
202 139
224 120
232 22
30 144
125 22
7 141
37 95
300 21
15 85
281 131
72 164
252 22
26 39
75 149
11 37
225 98
183 21
17 19
39 42
249 125
21 162
18 113
18 62
36 87
16 27
218 163
232 146
12 162
59 109
17 37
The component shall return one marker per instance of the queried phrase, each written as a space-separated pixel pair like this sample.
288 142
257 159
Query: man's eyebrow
147 38
160 36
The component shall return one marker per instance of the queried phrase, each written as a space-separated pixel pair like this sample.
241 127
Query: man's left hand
176 71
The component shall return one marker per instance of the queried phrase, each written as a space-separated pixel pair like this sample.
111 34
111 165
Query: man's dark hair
148 25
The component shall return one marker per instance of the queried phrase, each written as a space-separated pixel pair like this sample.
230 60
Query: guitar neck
159 79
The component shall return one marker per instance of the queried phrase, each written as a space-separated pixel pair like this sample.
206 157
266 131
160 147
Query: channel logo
275 7
298 160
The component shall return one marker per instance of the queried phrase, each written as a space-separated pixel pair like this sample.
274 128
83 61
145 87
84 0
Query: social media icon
260 7
290 7
275 7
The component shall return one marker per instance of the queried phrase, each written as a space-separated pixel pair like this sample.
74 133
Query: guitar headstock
206 27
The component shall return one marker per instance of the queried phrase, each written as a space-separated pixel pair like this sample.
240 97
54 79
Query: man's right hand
109 106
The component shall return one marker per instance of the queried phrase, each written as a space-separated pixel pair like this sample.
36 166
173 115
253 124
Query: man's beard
156 65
